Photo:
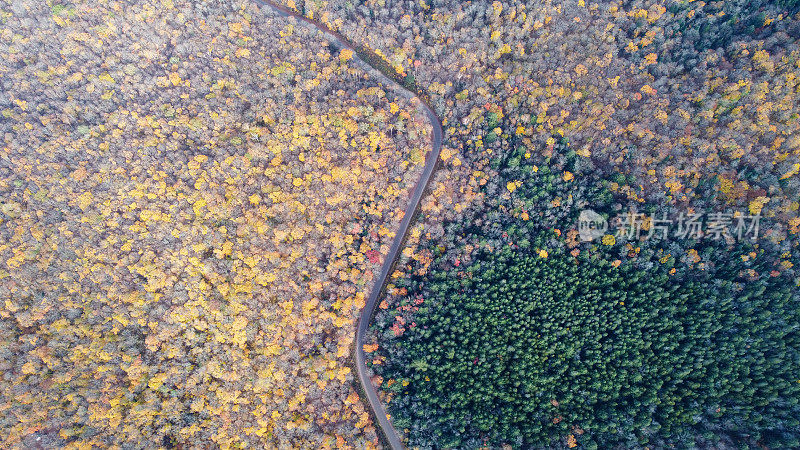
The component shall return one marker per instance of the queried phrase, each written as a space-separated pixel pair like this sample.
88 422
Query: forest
539 340
196 198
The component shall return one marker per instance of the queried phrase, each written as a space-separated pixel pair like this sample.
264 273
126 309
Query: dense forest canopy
195 198
519 333
520 348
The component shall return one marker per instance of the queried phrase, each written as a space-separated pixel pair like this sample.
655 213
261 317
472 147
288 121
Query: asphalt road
431 162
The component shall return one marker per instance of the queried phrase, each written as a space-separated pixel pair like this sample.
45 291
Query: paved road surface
431 162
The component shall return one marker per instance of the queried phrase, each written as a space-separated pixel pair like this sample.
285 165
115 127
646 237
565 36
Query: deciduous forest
194 200
197 197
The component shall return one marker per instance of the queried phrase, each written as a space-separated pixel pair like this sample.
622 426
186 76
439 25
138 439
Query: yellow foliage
345 54
513 185
28 368
369 348
84 200
498 7
793 171
757 204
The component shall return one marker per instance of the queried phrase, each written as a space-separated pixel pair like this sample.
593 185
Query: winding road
431 162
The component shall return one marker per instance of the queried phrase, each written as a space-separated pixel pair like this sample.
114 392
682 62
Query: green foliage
410 82
527 346
492 120
58 9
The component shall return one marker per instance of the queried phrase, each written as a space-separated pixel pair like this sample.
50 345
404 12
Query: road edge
368 57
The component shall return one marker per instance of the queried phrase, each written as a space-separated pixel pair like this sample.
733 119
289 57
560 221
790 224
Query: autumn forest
424 224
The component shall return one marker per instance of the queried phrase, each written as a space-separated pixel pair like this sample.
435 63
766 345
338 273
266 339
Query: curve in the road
431 162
